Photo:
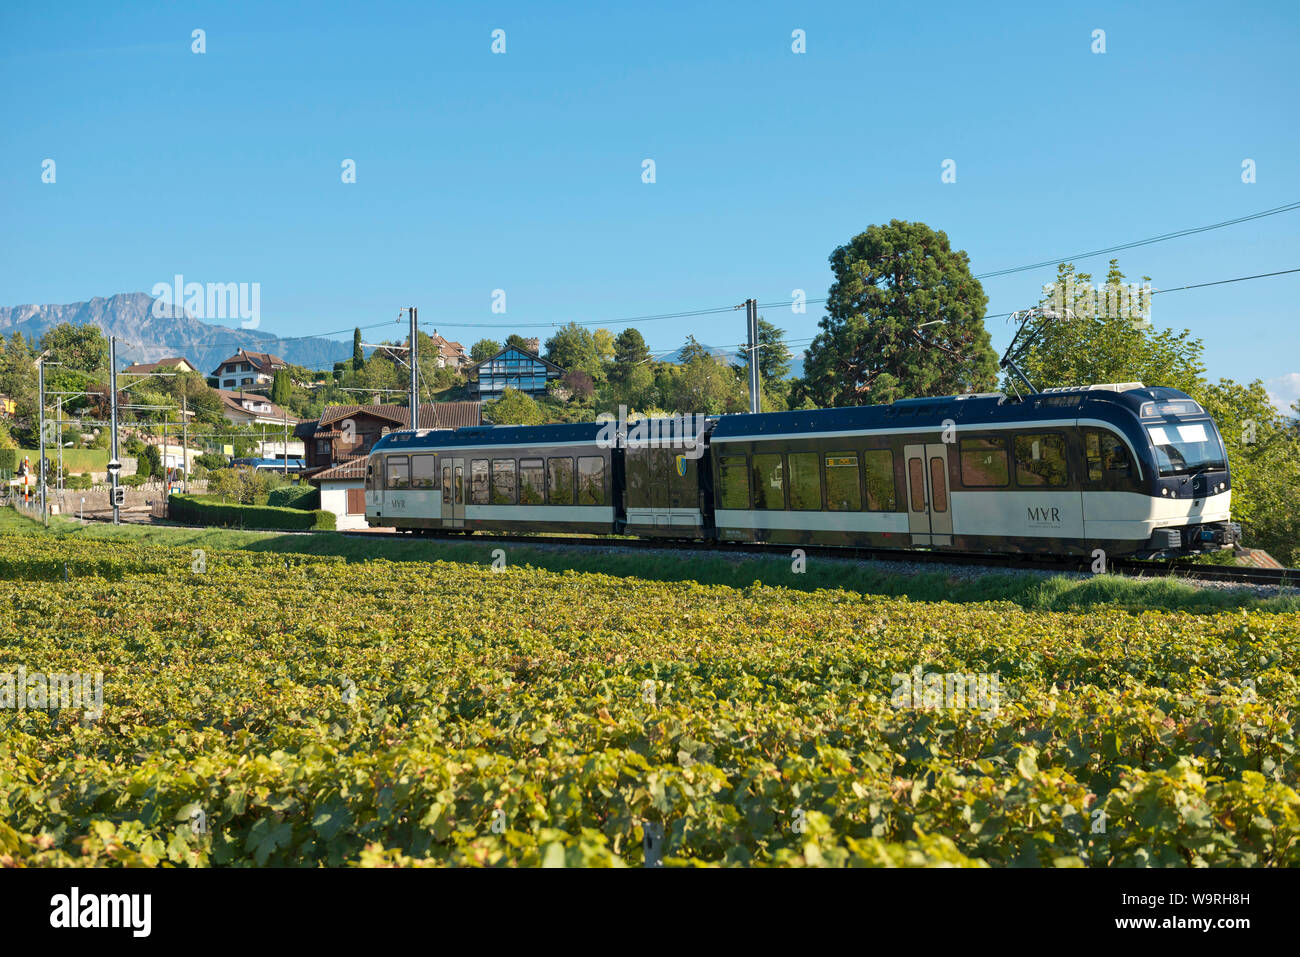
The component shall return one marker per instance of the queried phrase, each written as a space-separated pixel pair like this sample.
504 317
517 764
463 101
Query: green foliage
82 481
1110 348
281 388
703 385
191 510
888 281
358 353
78 348
239 485
149 462
575 347
513 408
484 349
754 725
303 497
211 460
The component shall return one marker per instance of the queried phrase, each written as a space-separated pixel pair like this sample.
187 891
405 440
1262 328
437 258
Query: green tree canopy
514 408
281 388
484 349
358 353
1089 349
574 347
888 281
79 348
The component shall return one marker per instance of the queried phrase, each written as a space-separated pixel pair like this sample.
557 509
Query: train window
805 481
984 463
424 471
843 489
916 483
939 484
1105 452
532 481
446 477
1040 460
503 482
559 481
768 479
478 482
879 464
591 480
398 471
734 474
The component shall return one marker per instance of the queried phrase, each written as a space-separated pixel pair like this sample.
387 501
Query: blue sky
523 171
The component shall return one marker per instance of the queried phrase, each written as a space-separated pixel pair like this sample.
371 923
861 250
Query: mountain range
144 336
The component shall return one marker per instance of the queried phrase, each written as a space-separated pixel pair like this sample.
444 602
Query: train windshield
1183 448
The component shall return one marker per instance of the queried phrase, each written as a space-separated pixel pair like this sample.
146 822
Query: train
1130 470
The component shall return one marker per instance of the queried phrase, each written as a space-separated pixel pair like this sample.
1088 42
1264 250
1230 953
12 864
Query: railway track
1130 567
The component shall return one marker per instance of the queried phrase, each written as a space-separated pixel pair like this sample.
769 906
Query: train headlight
1164 491
1222 486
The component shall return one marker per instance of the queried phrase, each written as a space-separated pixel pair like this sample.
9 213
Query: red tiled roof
232 399
355 469
433 415
160 364
261 361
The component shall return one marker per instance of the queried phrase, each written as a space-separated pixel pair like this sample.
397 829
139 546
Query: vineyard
266 709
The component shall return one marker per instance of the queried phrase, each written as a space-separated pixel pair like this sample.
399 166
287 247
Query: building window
322 446
768 481
478 482
532 481
424 471
591 480
559 481
398 471
843 488
805 481
503 482
1040 460
984 463
733 475
879 465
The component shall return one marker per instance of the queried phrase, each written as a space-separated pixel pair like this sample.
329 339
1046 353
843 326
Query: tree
692 351
773 358
603 340
358 354
888 281
1088 348
513 408
281 388
574 347
704 385
484 349
79 348
629 350
579 385
148 462
519 342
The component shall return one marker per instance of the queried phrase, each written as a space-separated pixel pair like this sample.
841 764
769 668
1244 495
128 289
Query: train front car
1126 469
505 478
1178 501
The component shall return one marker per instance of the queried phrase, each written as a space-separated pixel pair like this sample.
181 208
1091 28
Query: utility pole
284 414
112 408
40 464
59 424
415 389
185 444
751 317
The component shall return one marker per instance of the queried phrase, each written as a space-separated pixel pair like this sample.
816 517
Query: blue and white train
1125 468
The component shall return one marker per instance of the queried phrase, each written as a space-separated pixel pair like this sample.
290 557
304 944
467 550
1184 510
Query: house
177 363
511 368
338 443
247 370
244 409
449 353
344 432
7 406
343 492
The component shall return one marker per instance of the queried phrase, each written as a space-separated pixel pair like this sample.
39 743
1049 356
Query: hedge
189 509
304 497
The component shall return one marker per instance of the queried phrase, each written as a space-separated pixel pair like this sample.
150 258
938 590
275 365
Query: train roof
565 432
1111 402
1119 402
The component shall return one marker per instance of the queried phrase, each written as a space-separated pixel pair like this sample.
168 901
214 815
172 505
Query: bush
211 460
191 510
79 481
306 497
132 481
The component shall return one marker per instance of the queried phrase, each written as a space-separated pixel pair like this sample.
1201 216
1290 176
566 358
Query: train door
929 513
453 493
